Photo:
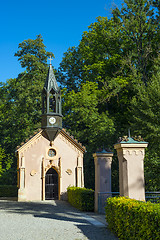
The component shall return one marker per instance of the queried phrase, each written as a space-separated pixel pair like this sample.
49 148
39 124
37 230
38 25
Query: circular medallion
52 120
51 152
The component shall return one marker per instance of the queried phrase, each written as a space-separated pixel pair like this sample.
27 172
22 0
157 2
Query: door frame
44 170
57 182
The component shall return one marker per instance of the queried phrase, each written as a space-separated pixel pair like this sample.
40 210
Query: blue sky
61 24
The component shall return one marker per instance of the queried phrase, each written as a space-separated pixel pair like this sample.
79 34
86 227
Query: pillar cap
103 153
130 142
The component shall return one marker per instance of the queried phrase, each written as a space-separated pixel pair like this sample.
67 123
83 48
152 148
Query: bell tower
51 106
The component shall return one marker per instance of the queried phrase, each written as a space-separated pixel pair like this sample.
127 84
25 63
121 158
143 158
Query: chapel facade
51 160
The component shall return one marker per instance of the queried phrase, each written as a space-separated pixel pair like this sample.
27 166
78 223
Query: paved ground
48 221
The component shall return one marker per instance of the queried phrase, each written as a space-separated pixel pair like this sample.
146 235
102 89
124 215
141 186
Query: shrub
133 220
81 198
8 191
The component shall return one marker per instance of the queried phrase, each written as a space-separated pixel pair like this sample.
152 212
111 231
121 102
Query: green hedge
8 191
133 220
81 198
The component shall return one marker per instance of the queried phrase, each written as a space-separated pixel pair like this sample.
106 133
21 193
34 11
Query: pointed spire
51 82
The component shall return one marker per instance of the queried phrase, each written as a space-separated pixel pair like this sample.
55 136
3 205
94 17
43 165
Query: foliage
85 117
152 171
110 80
8 191
20 98
146 110
131 219
139 33
86 123
146 121
115 59
81 198
115 173
7 176
2 157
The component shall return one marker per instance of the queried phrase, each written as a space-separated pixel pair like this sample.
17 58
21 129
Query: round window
51 152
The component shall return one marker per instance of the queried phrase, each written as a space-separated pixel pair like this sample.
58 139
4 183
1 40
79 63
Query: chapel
51 160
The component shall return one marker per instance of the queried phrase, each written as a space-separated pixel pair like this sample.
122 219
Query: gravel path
48 220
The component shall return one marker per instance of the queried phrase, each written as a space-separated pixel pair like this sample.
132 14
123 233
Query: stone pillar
21 190
102 161
131 168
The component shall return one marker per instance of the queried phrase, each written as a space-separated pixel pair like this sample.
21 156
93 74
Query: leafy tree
85 122
146 109
2 157
146 121
117 55
20 100
110 81
152 170
139 29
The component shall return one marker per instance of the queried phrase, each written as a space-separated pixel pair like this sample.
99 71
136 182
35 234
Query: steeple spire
51 82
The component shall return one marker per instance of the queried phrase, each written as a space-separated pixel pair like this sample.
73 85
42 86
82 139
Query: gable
41 134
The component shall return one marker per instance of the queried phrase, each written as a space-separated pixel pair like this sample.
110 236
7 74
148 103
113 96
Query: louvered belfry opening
51 185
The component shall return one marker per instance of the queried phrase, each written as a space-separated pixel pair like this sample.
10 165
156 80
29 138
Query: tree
146 122
83 120
139 30
117 55
20 100
146 109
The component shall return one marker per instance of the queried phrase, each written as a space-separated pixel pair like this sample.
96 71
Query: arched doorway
51 184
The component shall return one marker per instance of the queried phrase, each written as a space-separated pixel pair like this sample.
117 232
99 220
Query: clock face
51 152
52 120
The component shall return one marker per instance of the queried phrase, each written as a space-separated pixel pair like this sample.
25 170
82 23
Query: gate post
102 161
131 167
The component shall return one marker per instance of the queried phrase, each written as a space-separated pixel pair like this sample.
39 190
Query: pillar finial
129 132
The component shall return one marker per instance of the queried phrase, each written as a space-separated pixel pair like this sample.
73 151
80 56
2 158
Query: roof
51 82
62 132
70 137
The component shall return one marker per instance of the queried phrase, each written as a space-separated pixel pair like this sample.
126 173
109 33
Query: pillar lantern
131 167
102 161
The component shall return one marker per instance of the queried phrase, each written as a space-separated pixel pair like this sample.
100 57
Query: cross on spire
50 59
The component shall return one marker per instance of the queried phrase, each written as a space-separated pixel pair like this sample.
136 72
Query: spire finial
50 59
129 132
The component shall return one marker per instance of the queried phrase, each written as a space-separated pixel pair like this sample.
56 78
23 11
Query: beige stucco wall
33 153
